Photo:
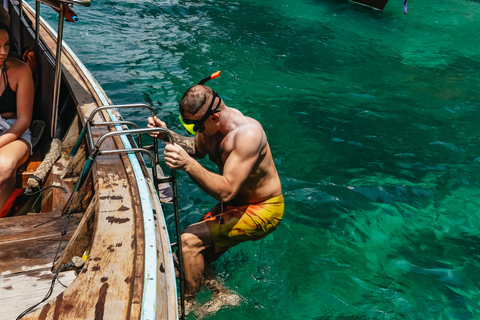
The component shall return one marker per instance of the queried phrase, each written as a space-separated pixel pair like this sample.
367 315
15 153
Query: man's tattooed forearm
187 143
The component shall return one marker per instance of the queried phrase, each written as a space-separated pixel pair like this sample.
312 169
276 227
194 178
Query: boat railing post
179 244
37 22
56 83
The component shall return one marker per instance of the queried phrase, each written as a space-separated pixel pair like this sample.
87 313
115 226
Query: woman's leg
12 156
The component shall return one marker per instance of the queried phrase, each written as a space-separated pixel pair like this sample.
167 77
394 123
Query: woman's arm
9 115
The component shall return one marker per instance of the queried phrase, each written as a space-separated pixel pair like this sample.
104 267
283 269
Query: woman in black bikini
16 107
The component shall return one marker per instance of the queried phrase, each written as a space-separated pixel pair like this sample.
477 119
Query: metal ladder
154 159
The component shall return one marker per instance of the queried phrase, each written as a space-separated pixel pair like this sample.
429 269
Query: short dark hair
194 99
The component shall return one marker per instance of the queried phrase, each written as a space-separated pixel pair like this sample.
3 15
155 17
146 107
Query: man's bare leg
198 254
195 239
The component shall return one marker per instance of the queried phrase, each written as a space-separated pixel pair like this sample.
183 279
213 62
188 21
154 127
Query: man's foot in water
221 296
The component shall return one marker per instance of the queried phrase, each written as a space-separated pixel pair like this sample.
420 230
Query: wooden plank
75 164
27 169
166 284
24 246
32 167
35 281
104 287
80 240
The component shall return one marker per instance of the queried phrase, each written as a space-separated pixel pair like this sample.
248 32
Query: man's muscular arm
238 165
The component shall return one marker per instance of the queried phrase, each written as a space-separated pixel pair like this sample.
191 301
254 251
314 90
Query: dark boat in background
377 4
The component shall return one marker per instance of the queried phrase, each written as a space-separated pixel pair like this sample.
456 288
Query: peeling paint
100 306
123 208
58 304
68 307
45 309
111 198
113 220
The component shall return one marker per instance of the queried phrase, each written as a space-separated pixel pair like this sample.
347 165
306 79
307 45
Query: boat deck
27 251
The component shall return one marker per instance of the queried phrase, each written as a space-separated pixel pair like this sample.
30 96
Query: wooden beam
80 241
27 241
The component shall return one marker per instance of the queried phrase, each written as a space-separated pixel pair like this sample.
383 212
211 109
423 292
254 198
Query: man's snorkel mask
196 126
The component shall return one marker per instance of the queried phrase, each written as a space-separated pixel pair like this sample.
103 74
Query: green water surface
372 118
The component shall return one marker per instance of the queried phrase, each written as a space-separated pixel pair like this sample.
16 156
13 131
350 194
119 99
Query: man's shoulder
250 126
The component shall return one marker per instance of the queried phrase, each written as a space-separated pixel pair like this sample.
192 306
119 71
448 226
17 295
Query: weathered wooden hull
129 272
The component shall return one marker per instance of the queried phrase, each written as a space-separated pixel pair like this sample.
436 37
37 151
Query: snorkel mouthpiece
210 77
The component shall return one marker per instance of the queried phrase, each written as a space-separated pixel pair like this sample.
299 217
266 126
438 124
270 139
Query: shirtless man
247 187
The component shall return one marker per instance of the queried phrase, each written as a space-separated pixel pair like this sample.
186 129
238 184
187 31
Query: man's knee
190 242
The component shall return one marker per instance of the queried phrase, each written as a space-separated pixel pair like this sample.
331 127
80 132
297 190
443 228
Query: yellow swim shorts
232 225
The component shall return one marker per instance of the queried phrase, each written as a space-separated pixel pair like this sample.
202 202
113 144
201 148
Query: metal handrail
96 149
120 106
86 128
135 150
123 122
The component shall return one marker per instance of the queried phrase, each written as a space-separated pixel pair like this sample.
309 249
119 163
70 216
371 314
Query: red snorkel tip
215 75
212 76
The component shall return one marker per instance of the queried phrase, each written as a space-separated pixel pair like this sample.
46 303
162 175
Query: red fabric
8 205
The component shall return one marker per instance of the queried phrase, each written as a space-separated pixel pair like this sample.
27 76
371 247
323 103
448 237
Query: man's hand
176 157
154 122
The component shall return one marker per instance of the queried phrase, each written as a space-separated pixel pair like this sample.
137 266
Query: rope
42 171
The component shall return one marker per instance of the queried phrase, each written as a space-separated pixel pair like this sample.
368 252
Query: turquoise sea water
372 118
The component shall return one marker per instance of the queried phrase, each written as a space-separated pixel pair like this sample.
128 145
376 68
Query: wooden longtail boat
112 208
